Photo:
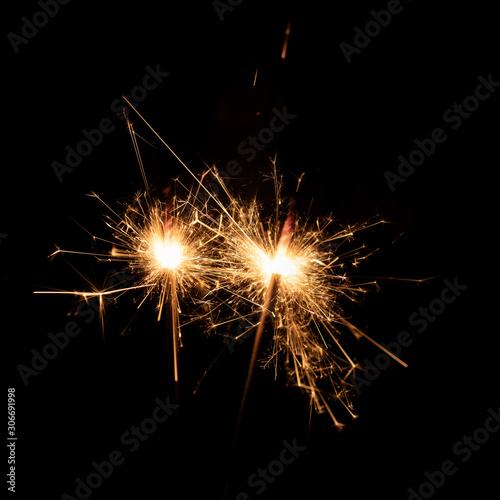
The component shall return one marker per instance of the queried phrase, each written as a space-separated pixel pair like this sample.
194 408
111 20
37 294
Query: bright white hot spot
280 264
169 255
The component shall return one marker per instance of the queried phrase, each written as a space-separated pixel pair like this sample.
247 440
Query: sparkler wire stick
170 290
271 292
173 329
267 310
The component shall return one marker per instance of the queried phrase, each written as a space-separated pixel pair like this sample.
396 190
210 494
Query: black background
353 120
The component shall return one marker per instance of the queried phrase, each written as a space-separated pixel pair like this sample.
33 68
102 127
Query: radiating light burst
311 261
168 254
166 246
287 268
161 240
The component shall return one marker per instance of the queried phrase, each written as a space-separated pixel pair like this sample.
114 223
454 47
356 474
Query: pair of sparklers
292 274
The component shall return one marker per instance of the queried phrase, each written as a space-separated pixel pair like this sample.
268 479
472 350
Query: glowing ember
169 255
281 265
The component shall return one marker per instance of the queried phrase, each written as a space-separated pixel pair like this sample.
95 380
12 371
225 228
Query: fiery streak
287 36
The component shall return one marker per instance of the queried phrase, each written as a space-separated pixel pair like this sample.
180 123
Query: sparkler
275 267
169 253
295 275
167 248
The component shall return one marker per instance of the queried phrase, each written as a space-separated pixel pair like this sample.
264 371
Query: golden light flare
281 264
161 243
294 274
240 260
169 255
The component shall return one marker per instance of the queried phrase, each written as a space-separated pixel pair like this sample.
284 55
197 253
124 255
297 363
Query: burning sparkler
295 275
166 246
170 254
276 267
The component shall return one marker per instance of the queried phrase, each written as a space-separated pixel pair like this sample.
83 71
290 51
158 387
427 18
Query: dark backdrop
353 119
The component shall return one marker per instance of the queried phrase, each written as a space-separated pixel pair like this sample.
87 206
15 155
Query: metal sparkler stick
271 292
